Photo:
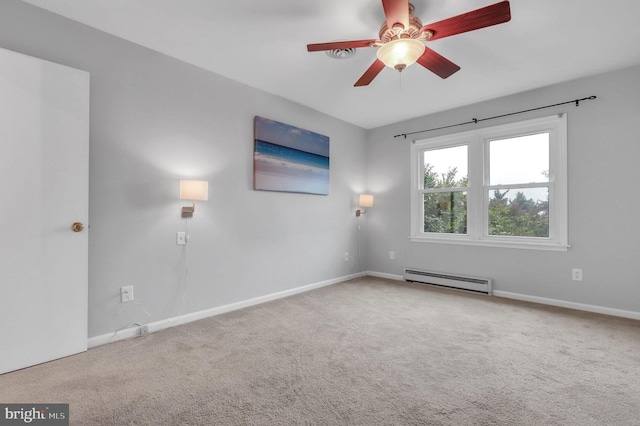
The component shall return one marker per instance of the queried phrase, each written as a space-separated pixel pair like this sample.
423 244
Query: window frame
479 186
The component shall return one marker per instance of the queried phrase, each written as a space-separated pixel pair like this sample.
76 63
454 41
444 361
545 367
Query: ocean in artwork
282 166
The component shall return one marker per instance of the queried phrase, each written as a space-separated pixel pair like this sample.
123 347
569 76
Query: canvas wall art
289 159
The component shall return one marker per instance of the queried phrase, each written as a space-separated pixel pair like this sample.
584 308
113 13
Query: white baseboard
384 275
194 316
569 305
542 300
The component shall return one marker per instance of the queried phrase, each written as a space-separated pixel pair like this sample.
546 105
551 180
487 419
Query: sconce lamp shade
194 190
366 200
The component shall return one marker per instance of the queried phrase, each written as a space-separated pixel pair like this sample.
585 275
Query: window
445 190
501 186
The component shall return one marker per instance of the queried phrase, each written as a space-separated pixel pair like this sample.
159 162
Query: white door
44 157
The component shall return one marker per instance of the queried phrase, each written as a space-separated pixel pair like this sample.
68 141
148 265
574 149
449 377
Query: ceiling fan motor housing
398 31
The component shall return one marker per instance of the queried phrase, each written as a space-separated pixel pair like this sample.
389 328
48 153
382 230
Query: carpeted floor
365 352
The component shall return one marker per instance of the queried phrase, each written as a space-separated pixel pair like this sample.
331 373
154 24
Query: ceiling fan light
400 53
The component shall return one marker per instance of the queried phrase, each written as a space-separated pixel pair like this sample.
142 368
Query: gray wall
156 120
603 153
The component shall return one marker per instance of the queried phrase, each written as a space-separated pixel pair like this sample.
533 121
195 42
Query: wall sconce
365 201
194 190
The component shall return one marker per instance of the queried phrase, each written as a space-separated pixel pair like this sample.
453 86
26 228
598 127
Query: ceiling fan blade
396 11
480 18
370 74
340 45
437 63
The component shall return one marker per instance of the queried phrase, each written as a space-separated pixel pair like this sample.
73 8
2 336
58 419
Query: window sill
492 243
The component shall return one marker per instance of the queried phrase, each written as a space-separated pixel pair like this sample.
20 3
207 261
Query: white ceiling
262 43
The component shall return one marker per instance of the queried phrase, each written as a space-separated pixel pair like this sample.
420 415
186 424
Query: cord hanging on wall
477 120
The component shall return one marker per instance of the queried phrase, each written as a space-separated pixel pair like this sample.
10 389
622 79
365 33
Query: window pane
446 167
519 212
523 159
446 212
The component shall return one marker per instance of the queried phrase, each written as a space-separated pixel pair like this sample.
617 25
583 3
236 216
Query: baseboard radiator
475 284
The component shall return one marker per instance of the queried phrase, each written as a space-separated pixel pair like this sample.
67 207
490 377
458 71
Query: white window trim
477 221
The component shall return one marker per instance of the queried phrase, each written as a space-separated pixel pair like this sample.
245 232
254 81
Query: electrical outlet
576 274
126 294
144 329
181 238
392 255
346 256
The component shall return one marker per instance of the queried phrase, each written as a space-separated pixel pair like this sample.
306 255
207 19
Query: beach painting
289 159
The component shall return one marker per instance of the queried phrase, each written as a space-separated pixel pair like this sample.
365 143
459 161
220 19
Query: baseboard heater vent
480 285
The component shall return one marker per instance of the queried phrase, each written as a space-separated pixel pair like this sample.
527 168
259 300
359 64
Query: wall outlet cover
576 274
126 294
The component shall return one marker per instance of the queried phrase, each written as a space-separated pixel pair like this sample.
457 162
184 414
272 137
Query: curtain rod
477 120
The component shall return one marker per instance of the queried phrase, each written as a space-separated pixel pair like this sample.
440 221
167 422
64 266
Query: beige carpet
366 352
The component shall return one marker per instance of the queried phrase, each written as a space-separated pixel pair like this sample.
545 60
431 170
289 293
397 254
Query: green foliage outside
446 212
521 217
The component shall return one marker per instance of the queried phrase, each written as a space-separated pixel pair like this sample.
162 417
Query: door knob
77 227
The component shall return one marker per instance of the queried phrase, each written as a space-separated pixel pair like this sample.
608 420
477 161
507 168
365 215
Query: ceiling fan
402 37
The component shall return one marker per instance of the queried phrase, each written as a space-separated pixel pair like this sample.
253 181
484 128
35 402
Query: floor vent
479 285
